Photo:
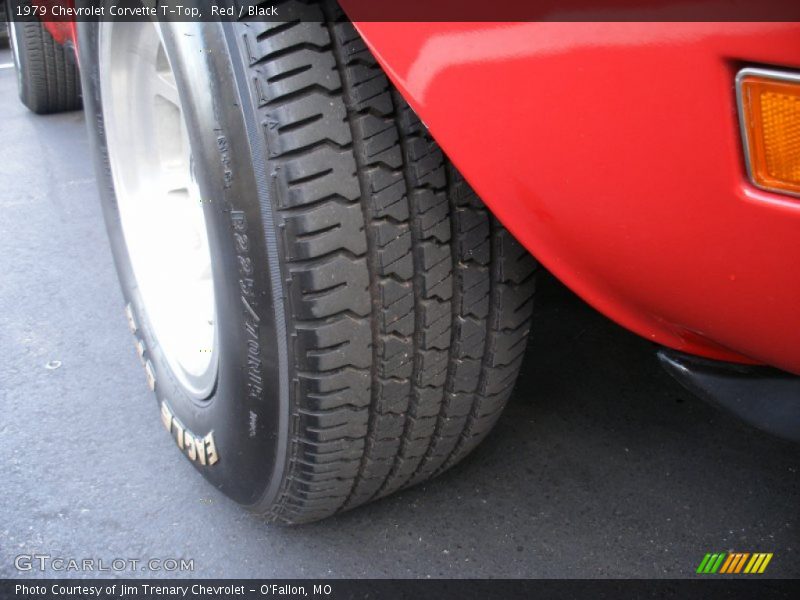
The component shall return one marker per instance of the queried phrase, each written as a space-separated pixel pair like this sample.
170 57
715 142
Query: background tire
374 317
4 25
47 79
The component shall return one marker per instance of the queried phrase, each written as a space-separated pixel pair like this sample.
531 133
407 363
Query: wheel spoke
164 86
175 179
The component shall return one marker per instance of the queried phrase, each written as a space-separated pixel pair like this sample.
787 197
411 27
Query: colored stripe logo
734 563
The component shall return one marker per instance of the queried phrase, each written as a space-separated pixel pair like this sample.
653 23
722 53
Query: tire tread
398 277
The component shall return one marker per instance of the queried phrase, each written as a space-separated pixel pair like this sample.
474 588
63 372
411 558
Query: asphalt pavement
602 466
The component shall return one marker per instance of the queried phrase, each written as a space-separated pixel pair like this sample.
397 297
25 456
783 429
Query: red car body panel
63 32
612 151
62 29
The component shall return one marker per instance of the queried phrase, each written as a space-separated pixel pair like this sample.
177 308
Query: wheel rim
159 202
12 36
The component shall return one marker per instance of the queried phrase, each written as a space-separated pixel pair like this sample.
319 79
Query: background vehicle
48 79
323 306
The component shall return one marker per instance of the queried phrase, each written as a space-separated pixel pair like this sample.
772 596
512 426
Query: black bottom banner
441 589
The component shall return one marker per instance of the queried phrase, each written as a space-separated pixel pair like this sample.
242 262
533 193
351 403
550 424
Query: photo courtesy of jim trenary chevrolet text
375 299
195 590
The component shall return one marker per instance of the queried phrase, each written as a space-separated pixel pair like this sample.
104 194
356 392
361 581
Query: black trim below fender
761 396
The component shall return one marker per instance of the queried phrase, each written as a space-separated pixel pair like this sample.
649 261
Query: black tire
4 25
47 78
376 325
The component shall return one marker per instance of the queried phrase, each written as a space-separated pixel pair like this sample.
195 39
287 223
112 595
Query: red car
324 306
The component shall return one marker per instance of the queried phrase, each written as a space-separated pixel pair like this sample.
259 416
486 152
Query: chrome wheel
159 202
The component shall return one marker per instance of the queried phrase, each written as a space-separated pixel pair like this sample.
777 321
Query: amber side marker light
769 113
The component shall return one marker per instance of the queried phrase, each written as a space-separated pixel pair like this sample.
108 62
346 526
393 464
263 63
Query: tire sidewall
248 413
